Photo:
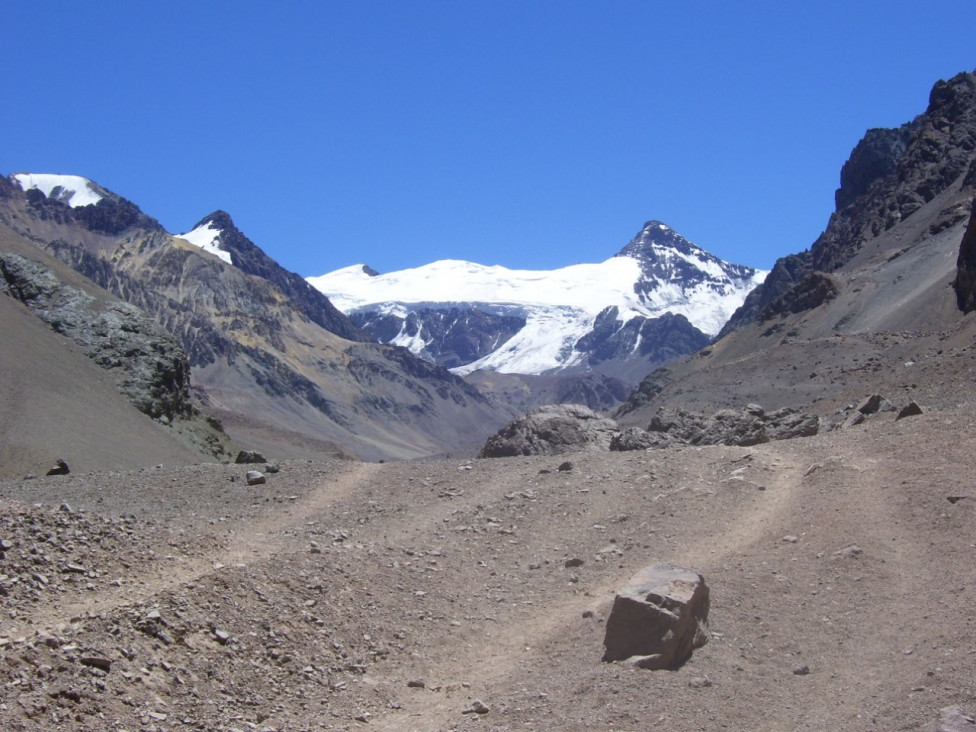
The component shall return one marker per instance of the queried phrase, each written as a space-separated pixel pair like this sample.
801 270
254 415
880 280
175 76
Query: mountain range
876 301
660 297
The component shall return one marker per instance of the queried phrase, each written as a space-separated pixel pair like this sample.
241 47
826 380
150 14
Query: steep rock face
449 336
658 340
154 373
873 158
965 282
889 176
939 149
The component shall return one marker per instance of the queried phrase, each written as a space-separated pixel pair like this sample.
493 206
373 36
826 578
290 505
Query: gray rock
246 457
874 404
552 430
254 477
660 616
909 410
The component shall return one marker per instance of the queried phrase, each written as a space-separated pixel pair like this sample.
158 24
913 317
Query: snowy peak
71 190
464 315
666 255
207 235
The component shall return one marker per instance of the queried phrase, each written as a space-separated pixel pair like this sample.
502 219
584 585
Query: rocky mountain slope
85 378
269 355
871 306
659 298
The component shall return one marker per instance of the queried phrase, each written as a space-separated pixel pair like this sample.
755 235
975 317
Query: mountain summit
660 297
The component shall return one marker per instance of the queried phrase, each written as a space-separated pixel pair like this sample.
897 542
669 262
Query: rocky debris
909 410
154 373
965 282
659 617
60 467
749 426
255 477
552 430
952 719
246 457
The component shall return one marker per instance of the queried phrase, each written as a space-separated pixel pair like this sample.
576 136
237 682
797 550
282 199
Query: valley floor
346 595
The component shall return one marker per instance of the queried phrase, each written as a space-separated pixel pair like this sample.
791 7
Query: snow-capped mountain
659 298
71 190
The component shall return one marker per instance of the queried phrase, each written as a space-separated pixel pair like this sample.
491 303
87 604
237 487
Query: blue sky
532 134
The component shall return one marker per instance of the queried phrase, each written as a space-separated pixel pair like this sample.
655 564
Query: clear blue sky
528 133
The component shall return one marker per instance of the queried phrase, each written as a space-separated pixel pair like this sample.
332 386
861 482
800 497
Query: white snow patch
208 239
72 190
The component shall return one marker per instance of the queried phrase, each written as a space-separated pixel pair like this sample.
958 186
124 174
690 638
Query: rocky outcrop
891 174
658 618
811 292
874 157
153 372
939 151
965 282
552 430
749 426
658 340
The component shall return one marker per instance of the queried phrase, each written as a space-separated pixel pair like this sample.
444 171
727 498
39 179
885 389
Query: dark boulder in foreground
658 618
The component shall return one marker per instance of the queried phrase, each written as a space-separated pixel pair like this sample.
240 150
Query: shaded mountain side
303 297
870 303
254 352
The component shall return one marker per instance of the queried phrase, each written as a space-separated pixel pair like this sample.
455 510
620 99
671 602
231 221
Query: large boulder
552 430
658 618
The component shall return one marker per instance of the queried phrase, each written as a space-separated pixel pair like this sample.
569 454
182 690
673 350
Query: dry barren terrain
345 595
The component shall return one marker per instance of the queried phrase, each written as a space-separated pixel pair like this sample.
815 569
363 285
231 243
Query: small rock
587 613
254 477
222 636
60 468
271 468
98 662
417 684
849 551
801 670
790 539
565 467
700 682
477 707
573 562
